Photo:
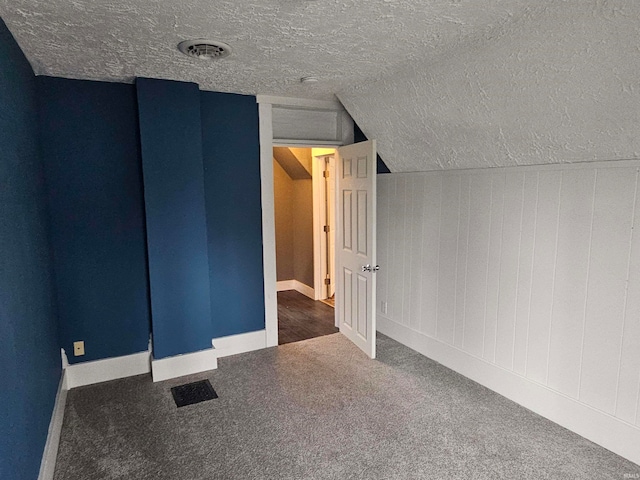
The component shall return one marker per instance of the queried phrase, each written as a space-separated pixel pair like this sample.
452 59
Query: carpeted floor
319 409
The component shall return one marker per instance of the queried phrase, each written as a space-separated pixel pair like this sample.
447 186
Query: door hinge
325 174
327 281
326 228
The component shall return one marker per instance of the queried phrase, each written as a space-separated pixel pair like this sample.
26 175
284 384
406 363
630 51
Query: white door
356 244
331 205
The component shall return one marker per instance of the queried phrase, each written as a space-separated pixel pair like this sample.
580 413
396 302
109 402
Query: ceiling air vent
204 49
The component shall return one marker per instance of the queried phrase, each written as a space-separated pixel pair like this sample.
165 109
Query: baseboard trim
296 285
284 285
88 373
50 453
240 343
187 364
606 430
304 289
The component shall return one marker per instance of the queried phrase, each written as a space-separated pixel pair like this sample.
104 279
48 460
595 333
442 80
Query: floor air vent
191 393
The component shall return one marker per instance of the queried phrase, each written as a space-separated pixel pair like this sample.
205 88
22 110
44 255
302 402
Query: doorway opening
304 208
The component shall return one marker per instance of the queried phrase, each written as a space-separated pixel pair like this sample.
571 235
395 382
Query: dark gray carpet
319 409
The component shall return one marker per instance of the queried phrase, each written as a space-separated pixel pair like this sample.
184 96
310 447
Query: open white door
356 244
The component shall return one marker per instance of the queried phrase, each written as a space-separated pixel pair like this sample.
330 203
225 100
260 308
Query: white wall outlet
383 307
78 349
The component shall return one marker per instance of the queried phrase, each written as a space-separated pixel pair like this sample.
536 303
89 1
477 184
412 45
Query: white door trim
318 210
319 218
268 225
268 218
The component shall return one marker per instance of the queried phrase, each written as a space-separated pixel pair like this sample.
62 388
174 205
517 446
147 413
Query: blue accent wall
91 153
169 116
29 350
231 153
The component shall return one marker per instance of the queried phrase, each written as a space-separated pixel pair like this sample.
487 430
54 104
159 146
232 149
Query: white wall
525 279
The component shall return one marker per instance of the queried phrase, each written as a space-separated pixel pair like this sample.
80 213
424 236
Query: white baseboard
180 365
50 453
88 373
305 289
297 286
606 430
283 285
241 343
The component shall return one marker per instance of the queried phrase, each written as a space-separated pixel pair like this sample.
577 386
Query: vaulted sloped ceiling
294 162
560 84
439 83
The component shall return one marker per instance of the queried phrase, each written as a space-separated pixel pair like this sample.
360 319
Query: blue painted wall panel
231 152
29 349
169 116
91 153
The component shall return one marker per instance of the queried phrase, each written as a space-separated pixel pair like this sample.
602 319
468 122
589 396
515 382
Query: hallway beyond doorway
300 318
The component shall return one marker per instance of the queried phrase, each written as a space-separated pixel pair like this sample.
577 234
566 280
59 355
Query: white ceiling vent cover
204 49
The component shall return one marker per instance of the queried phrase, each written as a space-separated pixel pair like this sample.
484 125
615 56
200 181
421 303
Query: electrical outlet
78 349
383 307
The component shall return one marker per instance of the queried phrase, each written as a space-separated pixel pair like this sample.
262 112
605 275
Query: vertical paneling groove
417 259
515 312
466 262
486 279
397 258
478 235
430 245
543 274
382 233
457 259
406 249
447 261
571 281
493 270
420 259
396 264
525 270
553 282
512 217
638 403
438 254
533 262
392 242
424 198
612 223
586 290
461 270
627 399
406 258
626 293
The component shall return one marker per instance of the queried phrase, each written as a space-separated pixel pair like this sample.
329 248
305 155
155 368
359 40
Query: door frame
320 200
344 136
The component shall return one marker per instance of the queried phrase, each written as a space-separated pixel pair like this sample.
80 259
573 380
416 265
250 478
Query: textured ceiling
441 84
559 84
274 43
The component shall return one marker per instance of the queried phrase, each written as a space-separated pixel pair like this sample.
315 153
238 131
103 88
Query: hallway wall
293 212
283 213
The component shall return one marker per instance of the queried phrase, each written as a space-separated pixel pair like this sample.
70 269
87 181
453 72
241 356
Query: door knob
369 268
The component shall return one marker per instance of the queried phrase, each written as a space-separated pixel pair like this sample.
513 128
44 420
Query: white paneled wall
526 276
